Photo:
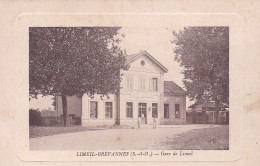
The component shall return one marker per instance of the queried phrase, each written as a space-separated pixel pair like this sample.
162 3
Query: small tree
74 61
203 52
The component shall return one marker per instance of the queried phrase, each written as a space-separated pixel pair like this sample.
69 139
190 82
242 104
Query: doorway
142 112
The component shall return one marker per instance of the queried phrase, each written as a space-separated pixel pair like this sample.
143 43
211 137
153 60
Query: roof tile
171 88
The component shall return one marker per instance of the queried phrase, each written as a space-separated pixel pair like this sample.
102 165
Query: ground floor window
108 110
166 110
129 110
177 111
142 110
93 110
154 110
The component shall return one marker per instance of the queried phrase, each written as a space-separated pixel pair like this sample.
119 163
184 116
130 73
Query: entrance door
142 112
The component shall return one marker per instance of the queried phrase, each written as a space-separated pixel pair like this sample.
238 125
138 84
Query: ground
216 138
37 131
206 137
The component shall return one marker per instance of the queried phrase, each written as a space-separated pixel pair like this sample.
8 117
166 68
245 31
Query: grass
214 138
38 131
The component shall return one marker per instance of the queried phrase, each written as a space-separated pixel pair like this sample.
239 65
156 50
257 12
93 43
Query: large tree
70 61
203 52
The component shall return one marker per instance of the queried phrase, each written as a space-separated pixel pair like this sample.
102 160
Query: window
177 111
109 110
155 84
166 110
129 83
129 110
142 83
93 110
154 110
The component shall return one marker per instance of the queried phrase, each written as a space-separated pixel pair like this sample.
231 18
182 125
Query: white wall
101 119
136 95
172 100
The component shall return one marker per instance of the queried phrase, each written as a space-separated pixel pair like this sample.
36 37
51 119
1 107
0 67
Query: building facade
204 112
143 93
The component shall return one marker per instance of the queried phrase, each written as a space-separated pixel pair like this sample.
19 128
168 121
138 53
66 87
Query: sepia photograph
129 88
129 82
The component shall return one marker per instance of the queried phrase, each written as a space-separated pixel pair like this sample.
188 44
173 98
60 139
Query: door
142 112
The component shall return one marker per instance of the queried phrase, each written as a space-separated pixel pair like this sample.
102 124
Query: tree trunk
117 108
65 108
217 110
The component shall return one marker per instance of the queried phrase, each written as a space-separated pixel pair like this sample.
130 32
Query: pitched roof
206 104
132 57
171 88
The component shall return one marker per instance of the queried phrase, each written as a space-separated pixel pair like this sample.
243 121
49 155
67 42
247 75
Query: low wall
59 121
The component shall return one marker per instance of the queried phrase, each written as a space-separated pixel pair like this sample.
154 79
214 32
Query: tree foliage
203 52
73 61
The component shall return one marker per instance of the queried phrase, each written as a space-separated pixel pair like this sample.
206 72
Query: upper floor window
142 83
177 111
129 82
155 84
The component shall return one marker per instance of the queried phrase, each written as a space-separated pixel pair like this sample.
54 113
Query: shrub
34 117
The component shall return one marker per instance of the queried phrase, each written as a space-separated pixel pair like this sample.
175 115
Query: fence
55 121
206 118
35 119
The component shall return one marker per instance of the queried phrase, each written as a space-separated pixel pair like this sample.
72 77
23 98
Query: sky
156 41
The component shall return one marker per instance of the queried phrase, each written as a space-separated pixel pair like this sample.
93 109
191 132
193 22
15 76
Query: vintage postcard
129 86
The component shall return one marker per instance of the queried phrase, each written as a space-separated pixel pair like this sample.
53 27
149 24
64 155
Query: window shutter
131 83
158 84
139 83
126 82
151 84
